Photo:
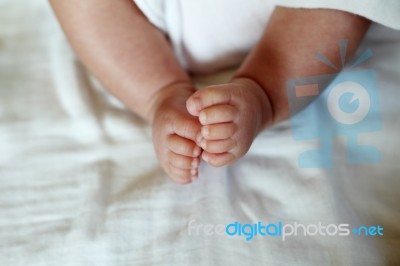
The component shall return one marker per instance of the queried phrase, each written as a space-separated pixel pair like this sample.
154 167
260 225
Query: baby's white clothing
209 35
385 12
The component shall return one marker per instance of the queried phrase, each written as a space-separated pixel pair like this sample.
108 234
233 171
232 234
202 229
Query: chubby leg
135 62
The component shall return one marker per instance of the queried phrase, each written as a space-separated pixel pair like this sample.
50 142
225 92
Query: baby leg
135 62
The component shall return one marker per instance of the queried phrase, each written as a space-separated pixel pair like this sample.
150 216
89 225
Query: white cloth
210 35
385 12
80 183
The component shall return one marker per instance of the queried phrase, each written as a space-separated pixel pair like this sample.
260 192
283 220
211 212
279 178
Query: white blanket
80 183
383 12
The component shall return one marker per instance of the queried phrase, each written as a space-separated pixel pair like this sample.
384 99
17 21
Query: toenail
193 172
203 143
196 151
199 137
203 117
196 103
205 131
205 158
195 164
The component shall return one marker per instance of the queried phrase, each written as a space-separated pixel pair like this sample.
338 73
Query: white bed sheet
80 183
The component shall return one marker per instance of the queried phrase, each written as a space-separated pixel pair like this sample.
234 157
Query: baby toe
183 162
186 128
218 131
217 146
218 160
218 114
207 97
183 146
181 176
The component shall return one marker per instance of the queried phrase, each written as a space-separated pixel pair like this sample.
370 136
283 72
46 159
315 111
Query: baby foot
174 134
231 116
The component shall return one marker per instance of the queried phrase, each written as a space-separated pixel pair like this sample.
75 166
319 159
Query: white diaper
209 35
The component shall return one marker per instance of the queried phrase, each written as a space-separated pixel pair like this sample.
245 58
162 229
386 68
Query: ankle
265 106
177 91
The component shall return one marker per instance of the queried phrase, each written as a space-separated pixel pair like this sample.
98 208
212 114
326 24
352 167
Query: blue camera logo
328 106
